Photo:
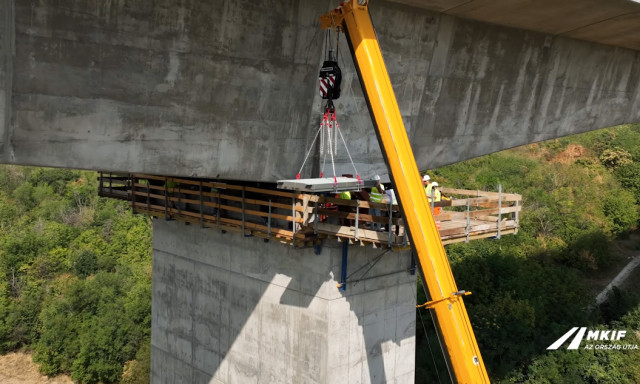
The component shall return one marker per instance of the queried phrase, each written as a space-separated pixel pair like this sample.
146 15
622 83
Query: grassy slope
580 201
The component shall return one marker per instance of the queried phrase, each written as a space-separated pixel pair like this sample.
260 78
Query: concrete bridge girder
228 89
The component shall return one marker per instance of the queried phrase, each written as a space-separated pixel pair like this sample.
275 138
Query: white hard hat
426 178
376 177
434 184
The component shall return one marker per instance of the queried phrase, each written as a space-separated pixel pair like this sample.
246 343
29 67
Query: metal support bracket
454 296
343 280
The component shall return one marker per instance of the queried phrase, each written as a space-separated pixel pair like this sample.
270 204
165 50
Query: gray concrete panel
609 22
228 89
6 75
228 309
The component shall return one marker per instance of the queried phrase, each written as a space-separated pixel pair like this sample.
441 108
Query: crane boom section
462 351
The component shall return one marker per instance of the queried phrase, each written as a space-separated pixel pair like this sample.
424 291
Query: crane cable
330 78
426 336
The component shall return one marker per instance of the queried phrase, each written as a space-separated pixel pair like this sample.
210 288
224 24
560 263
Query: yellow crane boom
446 305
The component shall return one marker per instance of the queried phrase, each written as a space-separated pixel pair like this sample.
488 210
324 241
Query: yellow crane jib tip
454 296
334 18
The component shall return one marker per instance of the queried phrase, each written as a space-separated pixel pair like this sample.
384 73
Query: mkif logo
595 336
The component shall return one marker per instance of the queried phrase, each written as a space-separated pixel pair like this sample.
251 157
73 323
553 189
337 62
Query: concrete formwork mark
230 309
554 94
7 51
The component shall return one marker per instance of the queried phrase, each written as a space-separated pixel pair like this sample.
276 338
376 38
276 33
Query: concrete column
228 309
6 75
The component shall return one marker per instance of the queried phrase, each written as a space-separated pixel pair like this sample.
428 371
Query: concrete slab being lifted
324 184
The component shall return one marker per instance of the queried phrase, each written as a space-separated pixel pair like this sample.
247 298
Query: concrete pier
230 309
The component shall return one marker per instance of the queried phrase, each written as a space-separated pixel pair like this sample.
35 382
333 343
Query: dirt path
18 368
618 280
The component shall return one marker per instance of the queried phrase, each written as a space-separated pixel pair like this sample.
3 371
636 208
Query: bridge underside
611 22
227 89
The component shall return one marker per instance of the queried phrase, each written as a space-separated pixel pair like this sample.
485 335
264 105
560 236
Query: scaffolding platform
307 216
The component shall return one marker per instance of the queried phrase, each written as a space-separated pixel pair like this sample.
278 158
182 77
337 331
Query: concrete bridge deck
228 90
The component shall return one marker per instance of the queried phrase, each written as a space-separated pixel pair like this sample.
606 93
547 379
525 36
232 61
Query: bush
621 211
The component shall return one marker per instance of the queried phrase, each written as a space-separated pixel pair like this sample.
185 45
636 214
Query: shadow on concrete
228 309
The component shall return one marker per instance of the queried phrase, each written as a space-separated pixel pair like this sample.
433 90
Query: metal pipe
345 251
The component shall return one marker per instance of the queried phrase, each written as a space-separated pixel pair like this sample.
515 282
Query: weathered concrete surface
228 309
609 22
228 88
6 71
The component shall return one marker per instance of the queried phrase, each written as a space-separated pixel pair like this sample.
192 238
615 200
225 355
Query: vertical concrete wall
228 309
6 73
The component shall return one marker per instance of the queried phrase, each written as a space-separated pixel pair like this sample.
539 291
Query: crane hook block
330 78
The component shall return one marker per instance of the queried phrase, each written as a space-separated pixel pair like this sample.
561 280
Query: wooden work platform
306 219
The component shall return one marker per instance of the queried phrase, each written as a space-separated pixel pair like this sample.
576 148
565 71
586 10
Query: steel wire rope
310 149
333 164
348 153
426 335
324 158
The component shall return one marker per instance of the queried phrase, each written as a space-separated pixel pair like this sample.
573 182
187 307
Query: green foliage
580 195
621 211
618 304
615 157
85 263
138 371
76 285
629 177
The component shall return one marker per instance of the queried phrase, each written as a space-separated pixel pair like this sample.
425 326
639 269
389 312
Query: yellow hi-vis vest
346 195
437 196
427 190
375 196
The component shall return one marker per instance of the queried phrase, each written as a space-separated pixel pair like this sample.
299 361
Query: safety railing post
390 223
433 203
499 208
133 194
517 217
468 228
201 212
269 220
166 199
405 236
148 197
355 234
179 198
293 219
243 233
316 218
218 210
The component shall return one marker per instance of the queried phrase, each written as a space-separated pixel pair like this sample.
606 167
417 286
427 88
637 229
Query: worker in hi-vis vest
436 196
435 192
376 196
344 195
426 181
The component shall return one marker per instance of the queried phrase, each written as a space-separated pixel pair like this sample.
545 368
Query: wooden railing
304 219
